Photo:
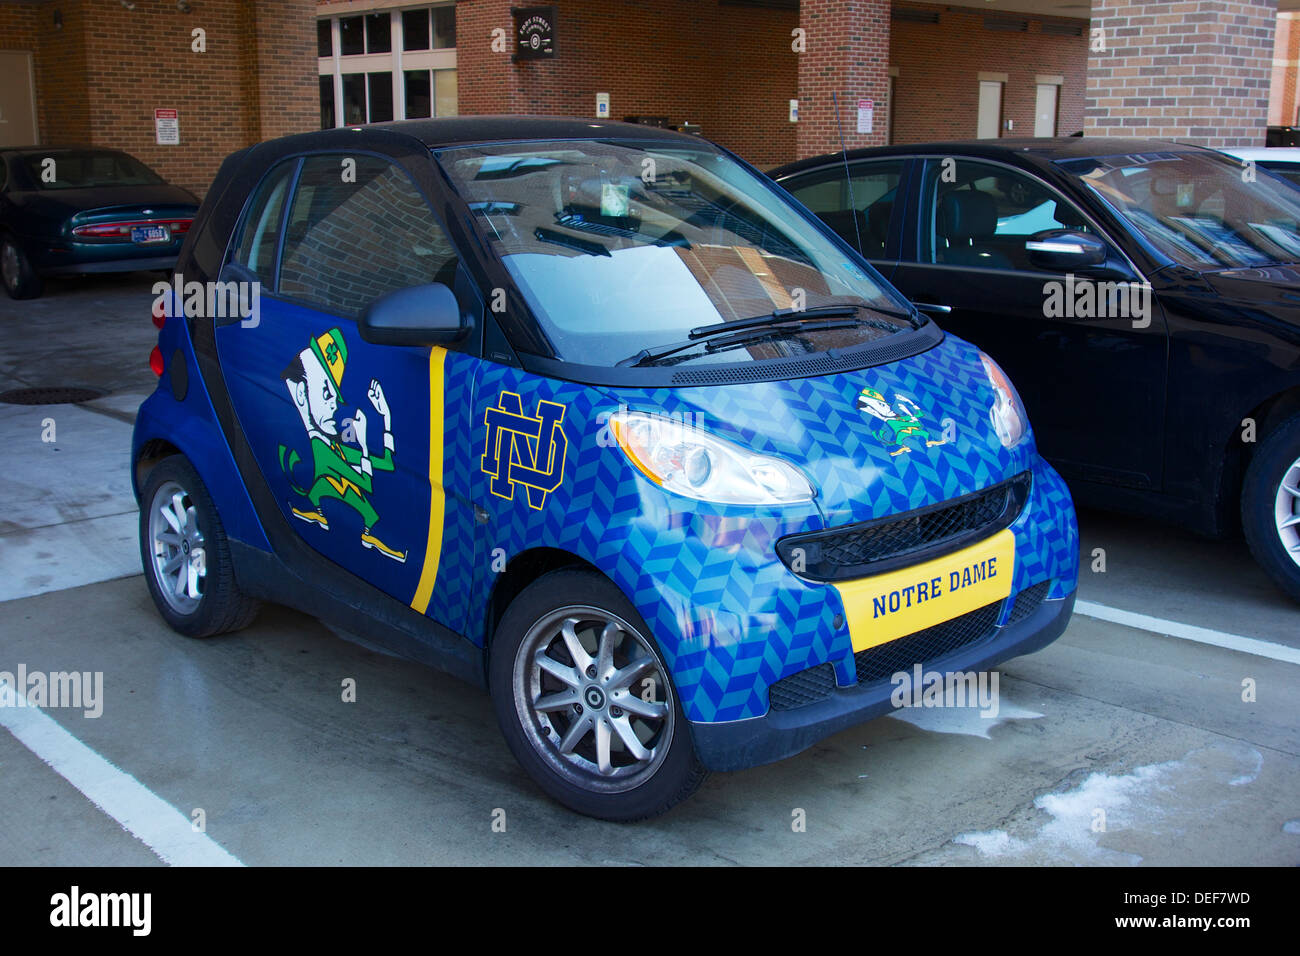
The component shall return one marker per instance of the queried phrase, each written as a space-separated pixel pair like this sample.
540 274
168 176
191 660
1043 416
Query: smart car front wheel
1270 506
186 556
586 703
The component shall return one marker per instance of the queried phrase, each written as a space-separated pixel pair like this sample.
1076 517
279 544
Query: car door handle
929 307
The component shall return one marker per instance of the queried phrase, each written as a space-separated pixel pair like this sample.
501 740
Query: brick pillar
1282 100
288 91
1195 70
487 81
846 53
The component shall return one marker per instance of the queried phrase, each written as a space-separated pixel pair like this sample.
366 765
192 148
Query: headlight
691 462
1007 414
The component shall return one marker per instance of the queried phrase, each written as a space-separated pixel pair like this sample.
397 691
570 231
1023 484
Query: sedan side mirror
1064 249
421 315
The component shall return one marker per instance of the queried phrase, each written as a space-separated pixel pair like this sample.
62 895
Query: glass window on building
444 27
379 33
327 102
415 29
354 99
415 47
419 94
445 102
381 97
352 36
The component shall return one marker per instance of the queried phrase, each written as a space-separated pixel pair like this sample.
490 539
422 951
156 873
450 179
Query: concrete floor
1115 746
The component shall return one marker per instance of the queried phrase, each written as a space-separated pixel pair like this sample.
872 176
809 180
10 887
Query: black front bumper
739 744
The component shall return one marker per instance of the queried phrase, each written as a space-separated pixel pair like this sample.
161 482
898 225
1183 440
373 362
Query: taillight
122 230
156 361
160 312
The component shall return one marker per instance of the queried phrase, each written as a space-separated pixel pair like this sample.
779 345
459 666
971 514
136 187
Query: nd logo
525 450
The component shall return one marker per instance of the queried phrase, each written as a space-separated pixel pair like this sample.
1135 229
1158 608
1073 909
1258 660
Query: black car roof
470 130
49 150
1042 150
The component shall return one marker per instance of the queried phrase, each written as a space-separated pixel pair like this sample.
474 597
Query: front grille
806 687
873 547
879 663
1027 601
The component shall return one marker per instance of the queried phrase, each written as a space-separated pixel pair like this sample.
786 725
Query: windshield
1200 210
621 247
86 169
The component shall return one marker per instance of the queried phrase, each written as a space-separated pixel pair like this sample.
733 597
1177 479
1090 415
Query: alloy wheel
1286 511
593 699
179 556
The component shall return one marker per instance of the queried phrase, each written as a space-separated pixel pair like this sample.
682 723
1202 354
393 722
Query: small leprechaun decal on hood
901 421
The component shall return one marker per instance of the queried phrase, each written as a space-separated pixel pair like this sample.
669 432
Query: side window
353 238
980 216
868 195
261 228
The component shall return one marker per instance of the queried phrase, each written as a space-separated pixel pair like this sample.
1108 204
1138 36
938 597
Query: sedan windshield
631 253
1202 211
88 169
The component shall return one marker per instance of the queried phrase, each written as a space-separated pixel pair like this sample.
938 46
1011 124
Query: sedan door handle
928 307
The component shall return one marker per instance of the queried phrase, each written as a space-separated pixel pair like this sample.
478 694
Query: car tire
581 694
17 275
1270 506
186 555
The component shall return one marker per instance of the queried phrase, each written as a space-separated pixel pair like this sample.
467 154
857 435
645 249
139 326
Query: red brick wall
847 56
937 89
1196 70
99 78
730 70
59 63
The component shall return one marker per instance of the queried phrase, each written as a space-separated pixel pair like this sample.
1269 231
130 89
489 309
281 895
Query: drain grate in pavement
50 396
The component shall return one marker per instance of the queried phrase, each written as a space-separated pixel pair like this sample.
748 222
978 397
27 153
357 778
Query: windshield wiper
726 335
784 316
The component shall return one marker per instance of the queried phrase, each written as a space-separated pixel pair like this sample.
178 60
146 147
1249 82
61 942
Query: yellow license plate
888 606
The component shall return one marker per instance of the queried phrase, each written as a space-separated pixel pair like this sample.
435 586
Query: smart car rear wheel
20 279
1270 506
186 555
586 703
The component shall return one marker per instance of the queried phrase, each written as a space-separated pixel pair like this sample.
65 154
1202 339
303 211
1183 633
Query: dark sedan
1143 296
80 210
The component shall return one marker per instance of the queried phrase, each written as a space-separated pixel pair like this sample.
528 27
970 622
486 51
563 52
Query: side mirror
1063 250
421 315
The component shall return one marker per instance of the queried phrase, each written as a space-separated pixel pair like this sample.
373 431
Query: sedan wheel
1286 511
1270 506
16 273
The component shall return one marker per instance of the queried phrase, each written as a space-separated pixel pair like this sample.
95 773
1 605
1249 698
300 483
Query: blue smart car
597 417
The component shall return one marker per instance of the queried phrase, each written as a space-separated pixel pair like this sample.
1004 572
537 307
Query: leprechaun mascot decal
342 472
901 421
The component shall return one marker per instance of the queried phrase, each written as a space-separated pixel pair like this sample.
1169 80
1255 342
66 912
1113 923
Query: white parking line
149 818
1190 632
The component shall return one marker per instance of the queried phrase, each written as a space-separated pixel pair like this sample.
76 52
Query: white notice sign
167 127
866 109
